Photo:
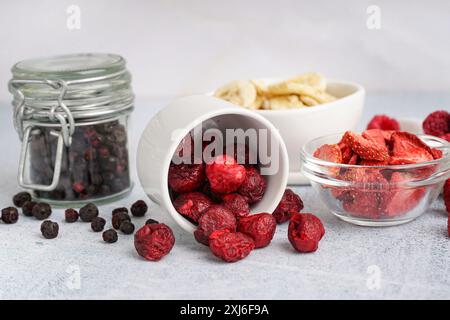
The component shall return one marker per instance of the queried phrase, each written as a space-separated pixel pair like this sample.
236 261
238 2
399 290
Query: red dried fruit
305 231
192 205
154 241
260 227
186 177
346 152
366 149
446 195
241 154
408 148
382 137
329 152
436 153
254 186
224 174
290 203
445 137
383 122
217 217
237 204
401 199
437 123
373 163
230 246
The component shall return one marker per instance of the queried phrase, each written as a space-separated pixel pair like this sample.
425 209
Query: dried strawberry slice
408 148
381 137
329 152
366 149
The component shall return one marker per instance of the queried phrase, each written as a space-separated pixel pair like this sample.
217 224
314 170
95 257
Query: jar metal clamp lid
63 91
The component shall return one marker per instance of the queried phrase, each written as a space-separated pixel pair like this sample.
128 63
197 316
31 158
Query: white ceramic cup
165 130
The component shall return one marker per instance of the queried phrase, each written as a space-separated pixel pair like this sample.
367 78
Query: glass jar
71 113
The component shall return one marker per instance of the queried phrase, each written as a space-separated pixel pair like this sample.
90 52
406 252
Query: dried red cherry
224 174
237 204
154 241
186 177
254 185
230 246
260 227
217 217
290 203
192 205
305 231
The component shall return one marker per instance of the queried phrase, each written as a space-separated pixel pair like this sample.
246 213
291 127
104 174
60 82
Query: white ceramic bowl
165 131
299 126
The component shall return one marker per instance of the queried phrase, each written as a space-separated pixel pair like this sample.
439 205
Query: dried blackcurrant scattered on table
110 236
42 211
121 209
71 215
27 208
10 215
88 212
98 224
151 221
118 218
49 229
139 208
127 227
20 198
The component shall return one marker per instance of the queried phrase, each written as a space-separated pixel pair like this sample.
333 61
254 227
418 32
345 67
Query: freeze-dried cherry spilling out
254 186
154 241
186 177
217 217
305 231
230 246
260 227
192 205
289 204
237 204
224 174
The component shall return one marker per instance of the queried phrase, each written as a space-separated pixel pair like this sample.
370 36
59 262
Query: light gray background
176 47
179 47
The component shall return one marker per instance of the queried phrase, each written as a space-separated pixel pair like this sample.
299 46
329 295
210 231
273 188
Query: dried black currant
20 198
118 218
49 229
110 236
27 208
42 211
98 224
10 215
127 227
71 215
139 208
88 212
151 221
121 209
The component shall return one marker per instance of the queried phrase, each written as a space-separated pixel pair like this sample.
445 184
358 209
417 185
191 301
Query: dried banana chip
289 88
310 102
283 102
240 92
312 79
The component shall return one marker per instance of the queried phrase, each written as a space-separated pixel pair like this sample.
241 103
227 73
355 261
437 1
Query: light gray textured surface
413 259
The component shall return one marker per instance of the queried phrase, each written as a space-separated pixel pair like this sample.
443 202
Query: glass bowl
376 195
